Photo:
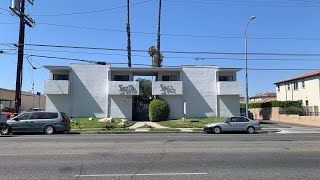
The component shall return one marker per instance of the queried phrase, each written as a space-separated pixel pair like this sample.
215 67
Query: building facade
83 90
28 100
304 87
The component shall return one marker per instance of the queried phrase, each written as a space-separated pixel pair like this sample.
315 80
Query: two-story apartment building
85 90
304 87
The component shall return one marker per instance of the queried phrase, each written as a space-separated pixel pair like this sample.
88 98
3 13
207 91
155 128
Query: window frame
60 76
295 85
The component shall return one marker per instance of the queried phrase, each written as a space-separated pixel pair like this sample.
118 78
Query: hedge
295 110
273 104
158 110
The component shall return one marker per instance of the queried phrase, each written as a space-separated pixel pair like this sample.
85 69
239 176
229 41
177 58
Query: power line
182 35
91 12
179 52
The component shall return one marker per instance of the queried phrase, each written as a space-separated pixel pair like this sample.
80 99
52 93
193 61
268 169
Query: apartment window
60 77
295 85
278 88
288 86
225 78
307 103
121 77
303 84
169 78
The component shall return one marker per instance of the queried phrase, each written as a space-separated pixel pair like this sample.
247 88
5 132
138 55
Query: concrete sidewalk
289 128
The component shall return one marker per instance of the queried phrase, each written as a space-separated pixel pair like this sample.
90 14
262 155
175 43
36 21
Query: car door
20 123
231 124
38 120
243 123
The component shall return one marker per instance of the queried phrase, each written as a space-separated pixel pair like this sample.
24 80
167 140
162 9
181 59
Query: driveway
289 128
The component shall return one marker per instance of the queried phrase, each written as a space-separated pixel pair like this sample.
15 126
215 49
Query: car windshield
224 119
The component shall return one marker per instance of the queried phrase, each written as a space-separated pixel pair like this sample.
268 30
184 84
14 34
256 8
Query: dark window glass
289 87
243 119
225 78
303 84
121 77
64 116
60 77
165 78
234 119
307 103
23 116
295 85
169 78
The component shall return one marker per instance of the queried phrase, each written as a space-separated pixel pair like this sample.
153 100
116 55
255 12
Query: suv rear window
64 116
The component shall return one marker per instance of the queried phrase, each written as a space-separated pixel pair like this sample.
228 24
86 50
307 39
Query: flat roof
57 67
142 69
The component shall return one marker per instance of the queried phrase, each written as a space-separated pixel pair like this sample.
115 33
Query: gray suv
47 122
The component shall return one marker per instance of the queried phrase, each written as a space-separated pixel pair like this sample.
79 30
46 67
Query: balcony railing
123 88
229 88
167 88
56 87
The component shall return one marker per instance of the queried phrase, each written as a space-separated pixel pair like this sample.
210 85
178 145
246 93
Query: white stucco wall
229 88
176 105
88 84
167 88
56 87
228 105
199 91
59 103
120 106
310 92
123 88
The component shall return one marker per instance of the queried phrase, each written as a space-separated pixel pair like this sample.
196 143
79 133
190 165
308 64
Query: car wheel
5 130
251 130
49 130
217 130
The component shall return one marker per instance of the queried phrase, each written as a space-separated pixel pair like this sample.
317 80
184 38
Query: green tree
145 88
153 52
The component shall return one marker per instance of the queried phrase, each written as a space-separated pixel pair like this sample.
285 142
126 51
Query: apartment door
140 108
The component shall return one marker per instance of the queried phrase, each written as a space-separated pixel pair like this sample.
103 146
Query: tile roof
309 74
266 94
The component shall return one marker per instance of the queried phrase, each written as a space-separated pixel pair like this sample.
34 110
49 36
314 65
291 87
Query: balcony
56 87
229 88
167 88
123 88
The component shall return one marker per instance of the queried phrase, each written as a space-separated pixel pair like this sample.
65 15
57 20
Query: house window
307 103
225 78
288 87
60 77
121 78
278 88
295 85
169 78
303 84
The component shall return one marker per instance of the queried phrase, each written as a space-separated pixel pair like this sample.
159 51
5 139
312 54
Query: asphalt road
161 156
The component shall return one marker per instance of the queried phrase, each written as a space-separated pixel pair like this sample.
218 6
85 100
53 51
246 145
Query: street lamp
246 58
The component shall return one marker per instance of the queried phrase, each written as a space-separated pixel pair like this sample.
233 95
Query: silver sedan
233 124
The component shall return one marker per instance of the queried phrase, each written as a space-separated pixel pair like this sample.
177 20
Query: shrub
273 104
295 110
158 110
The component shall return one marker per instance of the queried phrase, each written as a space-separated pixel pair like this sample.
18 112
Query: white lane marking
152 174
43 154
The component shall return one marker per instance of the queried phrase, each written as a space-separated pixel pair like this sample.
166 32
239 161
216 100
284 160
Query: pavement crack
80 171
163 152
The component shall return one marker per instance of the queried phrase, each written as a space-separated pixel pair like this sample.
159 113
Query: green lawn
84 123
189 123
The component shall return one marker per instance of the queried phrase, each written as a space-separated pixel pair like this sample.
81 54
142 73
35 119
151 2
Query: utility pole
158 40
128 33
18 7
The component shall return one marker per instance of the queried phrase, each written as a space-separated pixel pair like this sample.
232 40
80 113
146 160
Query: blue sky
296 23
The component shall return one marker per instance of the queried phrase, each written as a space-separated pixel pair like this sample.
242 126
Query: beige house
28 100
263 97
304 87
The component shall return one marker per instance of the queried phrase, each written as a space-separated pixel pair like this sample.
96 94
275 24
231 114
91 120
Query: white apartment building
85 90
304 87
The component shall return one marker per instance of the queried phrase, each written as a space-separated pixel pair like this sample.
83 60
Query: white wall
228 105
176 106
199 89
88 85
121 107
310 92
59 103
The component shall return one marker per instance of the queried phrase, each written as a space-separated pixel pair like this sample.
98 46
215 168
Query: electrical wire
91 12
